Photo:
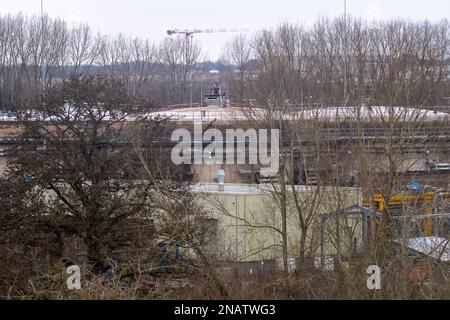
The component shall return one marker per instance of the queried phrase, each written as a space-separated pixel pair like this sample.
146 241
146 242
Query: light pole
190 93
42 46
201 92
345 52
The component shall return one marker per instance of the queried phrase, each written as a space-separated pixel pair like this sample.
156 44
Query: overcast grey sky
151 18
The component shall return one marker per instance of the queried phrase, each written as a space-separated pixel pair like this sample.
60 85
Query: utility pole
42 47
190 93
345 52
188 48
201 92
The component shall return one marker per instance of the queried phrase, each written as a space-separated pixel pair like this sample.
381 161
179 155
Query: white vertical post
201 92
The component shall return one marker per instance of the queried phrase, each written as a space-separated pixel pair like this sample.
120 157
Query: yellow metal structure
417 203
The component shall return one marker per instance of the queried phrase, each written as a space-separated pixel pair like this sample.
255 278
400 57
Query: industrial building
245 216
247 221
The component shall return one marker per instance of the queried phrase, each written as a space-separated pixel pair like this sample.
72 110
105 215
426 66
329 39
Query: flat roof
229 188
332 113
242 188
435 247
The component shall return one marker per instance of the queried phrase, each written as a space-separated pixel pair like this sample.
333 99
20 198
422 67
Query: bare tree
238 52
79 177
180 56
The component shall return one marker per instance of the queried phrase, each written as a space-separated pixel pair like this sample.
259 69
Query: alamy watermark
374 280
191 149
74 280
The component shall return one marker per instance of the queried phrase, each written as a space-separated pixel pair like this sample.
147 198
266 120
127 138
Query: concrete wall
245 222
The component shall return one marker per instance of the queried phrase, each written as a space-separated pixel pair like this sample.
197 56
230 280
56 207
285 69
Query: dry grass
349 283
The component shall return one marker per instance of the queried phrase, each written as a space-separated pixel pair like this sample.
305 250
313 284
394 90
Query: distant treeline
336 61
332 62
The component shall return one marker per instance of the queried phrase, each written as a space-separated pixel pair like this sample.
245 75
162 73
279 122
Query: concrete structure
247 218
331 113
